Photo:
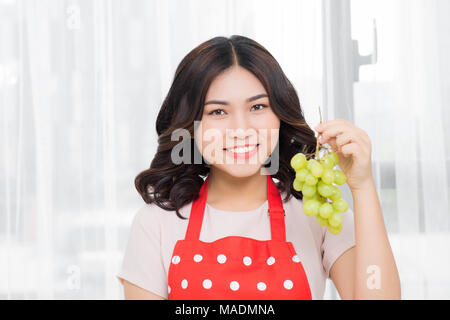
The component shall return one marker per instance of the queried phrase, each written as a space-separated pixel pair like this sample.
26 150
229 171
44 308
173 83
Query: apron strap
197 213
276 212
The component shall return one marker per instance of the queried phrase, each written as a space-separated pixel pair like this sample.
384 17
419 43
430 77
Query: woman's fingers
350 149
331 132
333 145
333 128
343 139
338 133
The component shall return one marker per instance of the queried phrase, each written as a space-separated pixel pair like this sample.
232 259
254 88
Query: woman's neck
226 192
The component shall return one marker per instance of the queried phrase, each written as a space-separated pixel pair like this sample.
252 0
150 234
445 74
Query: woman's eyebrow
259 96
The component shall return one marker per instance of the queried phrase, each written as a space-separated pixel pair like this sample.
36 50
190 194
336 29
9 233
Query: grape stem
318 145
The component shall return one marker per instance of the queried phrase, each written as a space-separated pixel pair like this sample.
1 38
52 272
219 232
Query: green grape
326 210
310 180
321 221
309 191
337 194
328 176
327 161
298 185
335 158
339 177
334 230
301 174
315 178
311 208
316 169
324 189
340 205
316 196
335 220
298 161
311 163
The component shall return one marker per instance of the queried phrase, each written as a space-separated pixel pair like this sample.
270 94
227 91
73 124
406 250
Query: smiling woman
226 84
241 234
243 151
242 131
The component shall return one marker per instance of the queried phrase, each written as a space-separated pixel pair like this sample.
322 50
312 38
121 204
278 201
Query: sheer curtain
403 101
81 83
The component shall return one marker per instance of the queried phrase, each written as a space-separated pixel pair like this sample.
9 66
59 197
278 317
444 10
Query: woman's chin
240 170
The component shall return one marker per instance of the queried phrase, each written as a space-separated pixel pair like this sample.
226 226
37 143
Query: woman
221 228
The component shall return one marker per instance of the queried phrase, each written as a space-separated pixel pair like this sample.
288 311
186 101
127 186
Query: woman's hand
354 149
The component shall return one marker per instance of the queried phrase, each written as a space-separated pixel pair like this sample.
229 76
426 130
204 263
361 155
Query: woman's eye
262 105
217 111
213 112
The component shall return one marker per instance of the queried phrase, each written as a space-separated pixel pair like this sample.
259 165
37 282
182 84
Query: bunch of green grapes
317 180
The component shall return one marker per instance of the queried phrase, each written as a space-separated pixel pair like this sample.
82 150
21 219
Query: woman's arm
376 275
368 270
133 292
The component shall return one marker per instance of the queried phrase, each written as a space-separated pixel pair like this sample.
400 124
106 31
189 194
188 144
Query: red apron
237 267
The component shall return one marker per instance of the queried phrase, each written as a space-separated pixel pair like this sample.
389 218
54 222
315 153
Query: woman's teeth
242 150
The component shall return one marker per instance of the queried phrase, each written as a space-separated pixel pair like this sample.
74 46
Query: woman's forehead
237 86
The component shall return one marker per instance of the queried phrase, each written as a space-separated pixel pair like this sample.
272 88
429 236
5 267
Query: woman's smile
242 152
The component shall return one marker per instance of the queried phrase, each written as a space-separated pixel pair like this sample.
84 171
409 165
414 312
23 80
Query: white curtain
403 101
81 82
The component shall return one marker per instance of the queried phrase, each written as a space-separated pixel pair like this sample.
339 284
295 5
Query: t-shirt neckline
259 209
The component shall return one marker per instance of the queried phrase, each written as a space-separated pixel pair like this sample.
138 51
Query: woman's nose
241 128
240 120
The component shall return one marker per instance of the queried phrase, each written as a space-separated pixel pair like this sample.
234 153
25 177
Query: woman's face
236 113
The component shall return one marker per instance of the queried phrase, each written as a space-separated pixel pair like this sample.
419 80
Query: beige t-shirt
154 232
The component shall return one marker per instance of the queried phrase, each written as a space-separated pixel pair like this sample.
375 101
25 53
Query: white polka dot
207 283
261 286
247 261
271 261
184 284
198 258
168 289
221 258
288 284
296 259
234 285
176 259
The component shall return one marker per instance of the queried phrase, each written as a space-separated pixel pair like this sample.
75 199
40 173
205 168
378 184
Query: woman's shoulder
151 214
164 226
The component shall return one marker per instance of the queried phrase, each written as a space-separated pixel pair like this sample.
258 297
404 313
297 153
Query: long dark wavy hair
171 186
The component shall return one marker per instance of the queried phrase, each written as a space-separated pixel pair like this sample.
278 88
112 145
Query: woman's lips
243 155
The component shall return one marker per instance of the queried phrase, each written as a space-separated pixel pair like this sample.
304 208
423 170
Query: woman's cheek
211 140
272 126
